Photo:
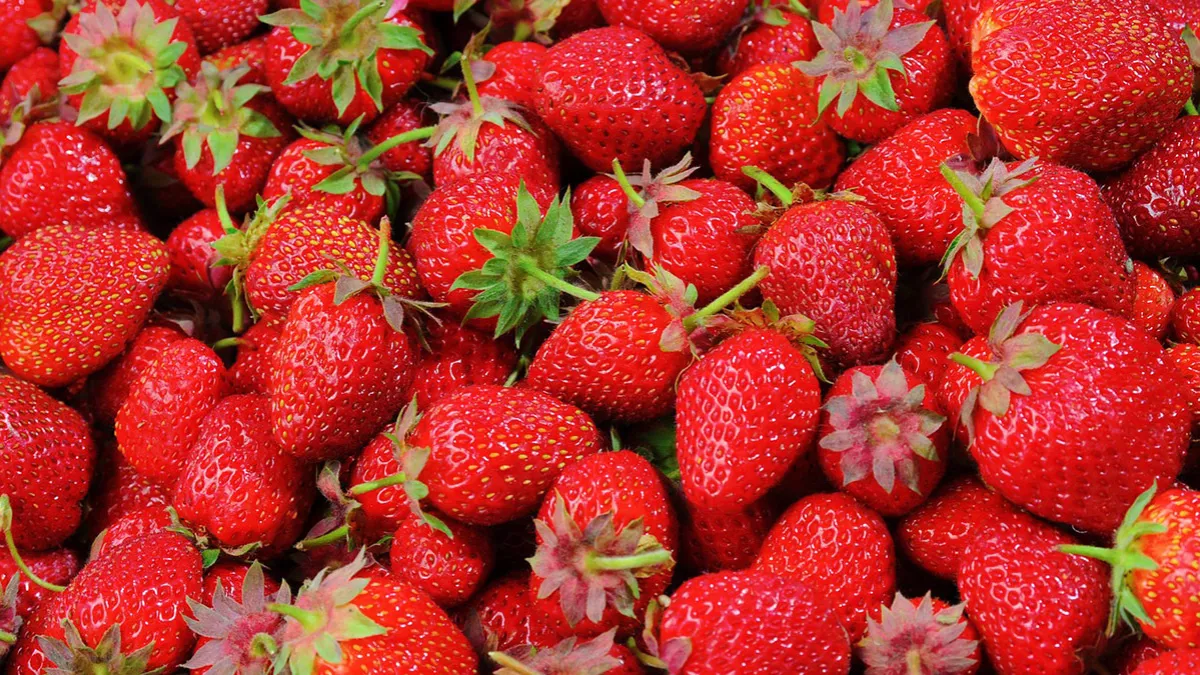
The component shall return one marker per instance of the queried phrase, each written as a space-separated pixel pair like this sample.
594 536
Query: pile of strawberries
583 337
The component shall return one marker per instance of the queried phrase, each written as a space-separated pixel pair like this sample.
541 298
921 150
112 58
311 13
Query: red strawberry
57 174
1186 358
448 567
72 297
408 115
1063 600
122 60
251 371
1185 317
494 452
777 32
38 71
227 134
1131 57
899 179
165 409
917 636
513 66
598 655
376 623
924 348
750 623
767 117
600 209
21 24
252 53
896 59
500 617
1015 391
237 486
833 262
1154 200
1035 232
194 269
133 524
648 109
228 624
56 566
831 542
339 60
1153 301
1136 652
612 511
692 28
111 386
118 489
1180 661
384 491
935 534
1179 14
231 576
341 364
458 357
717 541
882 438
960 17
221 24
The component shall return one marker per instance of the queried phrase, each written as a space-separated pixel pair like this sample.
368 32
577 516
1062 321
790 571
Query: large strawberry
339 60
1016 390
692 28
122 60
767 117
612 93
1034 232
72 297
775 32
48 454
750 623
883 66
1101 57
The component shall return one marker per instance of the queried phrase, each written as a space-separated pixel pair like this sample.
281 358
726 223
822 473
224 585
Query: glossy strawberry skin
39 69
458 357
692 28
237 485
507 148
72 297
251 371
606 358
111 386
1186 358
501 615
900 180
495 451
767 117
17 39
1185 318
746 412
601 209
1065 600
406 115
1168 593
221 24
767 43
1153 301
230 575
1178 661
57 566
1098 58
833 262
194 272
516 65
655 119
960 16
449 569
924 348
1154 199
338 373
383 510
831 542
1060 243
1136 652
723 541
294 173
1107 370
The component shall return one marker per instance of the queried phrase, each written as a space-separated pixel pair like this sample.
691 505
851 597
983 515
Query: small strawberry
600 209
960 16
194 270
384 488
776 32
919 636
342 60
25 25
448 567
570 657
513 67
500 617
612 93
883 66
1179 661
1130 57
767 117
717 540
689 29
407 116
923 350
109 388
71 298
39 70
221 24
251 371
1136 652
458 357
831 542
234 629
56 567
1153 301
251 53
1185 317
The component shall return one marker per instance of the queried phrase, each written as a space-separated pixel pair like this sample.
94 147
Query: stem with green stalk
7 637
971 199
626 186
377 151
469 82
332 537
310 621
1190 108
228 342
771 183
725 299
529 266
985 370
385 247
505 661
6 516
600 563
913 659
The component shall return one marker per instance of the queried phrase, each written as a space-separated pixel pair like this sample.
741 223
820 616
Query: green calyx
72 656
46 24
1124 558
983 207
237 246
358 163
213 111
126 62
344 38
859 51
523 282
653 190
568 656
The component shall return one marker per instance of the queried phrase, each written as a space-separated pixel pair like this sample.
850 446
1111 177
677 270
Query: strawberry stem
6 516
371 486
529 266
599 563
377 151
969 197
360 16
223 211
7 637
263 645
239 312
505 661
385 247
310 621
227 343
1190 108
913 659
623 180
985 370
725 299
331 537
472 89
769 182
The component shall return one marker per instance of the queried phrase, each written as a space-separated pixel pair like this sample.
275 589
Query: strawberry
831 542
922 350
598 655
342 362
1179 14
237 486
133 524
750 623
1014 390
458 357
612 93
960 16
1131 57
612 511
56 566
899 179
165 410
229 624
514 441
1153 200
600 209
72 297
1185 317
936 532
118 489
689 29
827 9
340 60
1186 357
226 134
917 636
833 262
1136 652
500 617
449 568
1064 600
124 612
252 53
717 541
882 438
1026 225
376 624
251 371
384 491
194 269
767 117
414 157
895 58
1179 661
110 387
122 60
24 26
221 24
231 577
776 32
39 70
57 174
1153 301
513 67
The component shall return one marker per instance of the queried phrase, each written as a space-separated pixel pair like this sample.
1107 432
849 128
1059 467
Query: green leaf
462 7
846 99
374 184
368 75
157 99
308 35
313 9
878 90
575 251
313 279
93 105
192 146
344 88
117 112
339 182
257 125
402 37
222 145
475 280
305 67
169 56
